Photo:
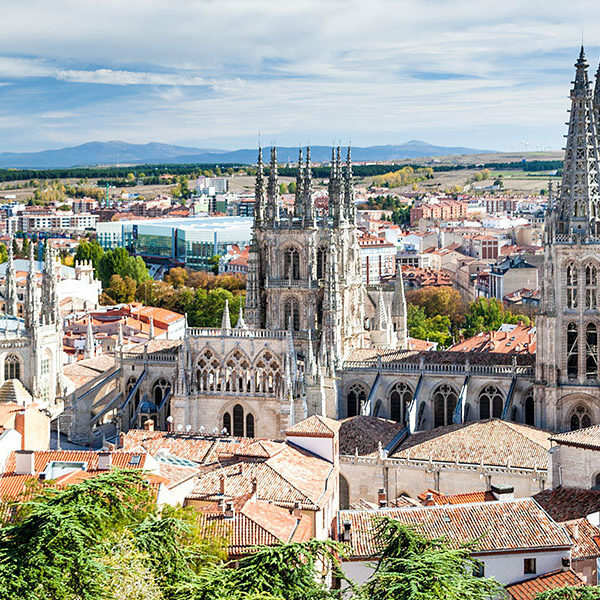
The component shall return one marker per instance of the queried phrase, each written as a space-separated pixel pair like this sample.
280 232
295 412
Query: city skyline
215 76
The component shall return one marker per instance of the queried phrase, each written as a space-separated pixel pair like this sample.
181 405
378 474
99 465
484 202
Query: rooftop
530 588
495 526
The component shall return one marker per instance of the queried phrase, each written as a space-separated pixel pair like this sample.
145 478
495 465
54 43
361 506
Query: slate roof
530 588
589 437
491 442
567 503
497 526
364 433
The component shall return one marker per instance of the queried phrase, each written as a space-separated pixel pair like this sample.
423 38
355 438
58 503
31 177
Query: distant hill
123 153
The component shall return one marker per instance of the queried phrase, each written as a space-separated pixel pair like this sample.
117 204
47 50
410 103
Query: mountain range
123 153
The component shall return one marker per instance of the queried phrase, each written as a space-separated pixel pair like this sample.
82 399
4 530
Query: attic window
135 459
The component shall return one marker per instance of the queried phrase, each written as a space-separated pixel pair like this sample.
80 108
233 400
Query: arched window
491 402
12 367
321 263
249 425
580 418
572 283
355 398
596 482
291 264
572 350
291 313
267 374
344 493
591 351
208 371
159 390
237 372
591 285
529 411
227 422
400 398
444 403
238 420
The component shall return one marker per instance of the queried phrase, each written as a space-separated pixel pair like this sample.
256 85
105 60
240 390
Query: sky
490 74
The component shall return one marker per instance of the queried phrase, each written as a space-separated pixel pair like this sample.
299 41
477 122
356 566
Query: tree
422 327
177 277
214 262
443 300
89 250
292 187
121 290
118 262
413 567
584 592
487 314
283 188
3 253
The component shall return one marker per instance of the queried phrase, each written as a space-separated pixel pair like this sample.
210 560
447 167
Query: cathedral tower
567 377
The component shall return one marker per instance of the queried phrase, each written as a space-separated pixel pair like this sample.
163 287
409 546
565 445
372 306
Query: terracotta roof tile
584 438
497 526
491 442
363 434
315 426
586 539
530 588
433 497
567 503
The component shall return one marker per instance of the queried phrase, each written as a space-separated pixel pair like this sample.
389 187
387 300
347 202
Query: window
596 482
479 569
444 403
159 390
355 398
580 418
591 282
321 263
529 566
529 411
227 423
238 420
249 425
45 366
572 350
591 351
400 399
12 367
291 314
491 403
291 264
572 283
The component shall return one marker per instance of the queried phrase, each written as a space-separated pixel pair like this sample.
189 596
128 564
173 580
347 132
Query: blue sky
214 73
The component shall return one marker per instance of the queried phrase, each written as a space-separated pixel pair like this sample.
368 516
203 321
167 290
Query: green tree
3 253
214 264
414 567
433 329
121 290
118 262
292 187
283 188
444 300
89 250
487 314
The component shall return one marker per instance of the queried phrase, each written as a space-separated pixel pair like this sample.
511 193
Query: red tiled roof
315 426
433 497
586 539
522 339
530 588
495 526
254 523
582 438
567 503
362 434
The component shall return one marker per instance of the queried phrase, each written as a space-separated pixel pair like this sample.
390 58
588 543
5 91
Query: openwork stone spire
299 196
259 191
10 293
273 188
578 206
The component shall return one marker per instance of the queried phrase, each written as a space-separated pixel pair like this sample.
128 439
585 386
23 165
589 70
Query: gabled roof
567 503
315 426
490 442
588 437
254 523
586 539
291 476
530 588
433 497
495 526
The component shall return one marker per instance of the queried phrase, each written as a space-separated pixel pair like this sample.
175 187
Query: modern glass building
192 241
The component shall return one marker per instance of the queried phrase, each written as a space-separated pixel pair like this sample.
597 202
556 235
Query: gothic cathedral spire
10 293
259 192
578 206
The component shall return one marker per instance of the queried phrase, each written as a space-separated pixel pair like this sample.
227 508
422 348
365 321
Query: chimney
104 461
297 512
346 532
575 531
503 492
254 488
20 426
382 498
229 510
149 425
24 462
222 485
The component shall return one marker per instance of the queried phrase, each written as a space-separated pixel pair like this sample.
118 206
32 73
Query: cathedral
313 341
